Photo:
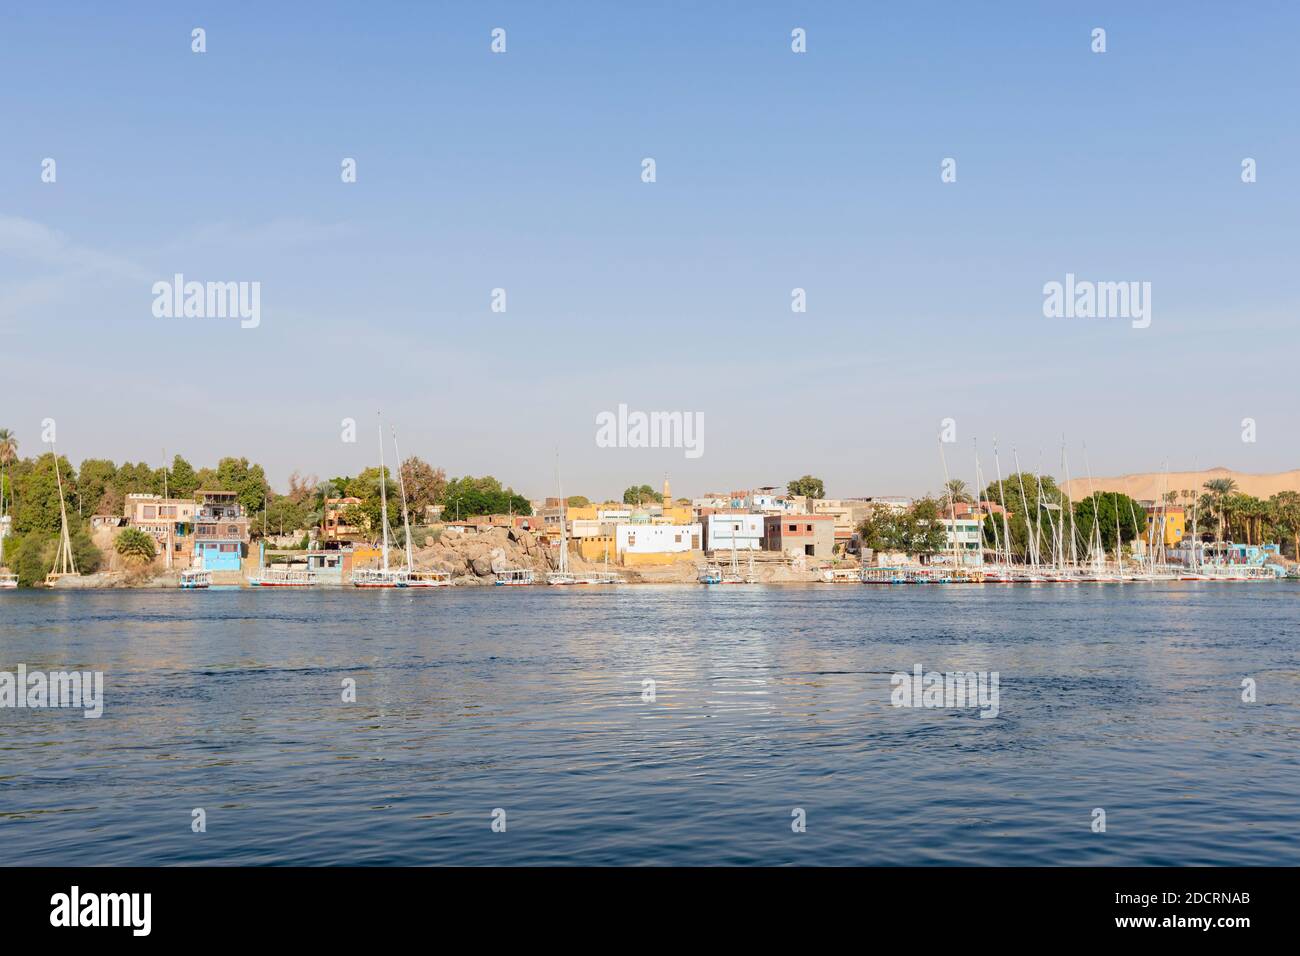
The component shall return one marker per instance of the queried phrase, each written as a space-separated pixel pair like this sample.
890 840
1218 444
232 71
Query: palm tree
8 447
8 455
954 492
326 490
1219 489
1286 515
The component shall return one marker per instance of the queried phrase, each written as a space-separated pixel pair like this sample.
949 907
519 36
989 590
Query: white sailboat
412 577
383 576
561 576
732 574
65 564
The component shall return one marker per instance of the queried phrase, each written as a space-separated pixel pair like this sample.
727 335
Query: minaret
668 496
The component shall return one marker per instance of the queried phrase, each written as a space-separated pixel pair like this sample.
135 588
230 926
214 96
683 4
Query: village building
169 521
220 531
337 517
811 536
739 530
656 543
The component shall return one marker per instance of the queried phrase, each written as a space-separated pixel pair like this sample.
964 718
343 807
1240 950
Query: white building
724 531
964 536
657 538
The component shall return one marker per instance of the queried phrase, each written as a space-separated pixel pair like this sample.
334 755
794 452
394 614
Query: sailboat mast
1032 543
952 505
406 518
65 544
383 489
1006 527
1065 468
979 500
564 511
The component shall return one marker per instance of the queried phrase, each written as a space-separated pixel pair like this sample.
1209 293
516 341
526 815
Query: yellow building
1174 521
677 514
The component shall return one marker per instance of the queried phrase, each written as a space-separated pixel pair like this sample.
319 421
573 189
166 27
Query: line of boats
1019 574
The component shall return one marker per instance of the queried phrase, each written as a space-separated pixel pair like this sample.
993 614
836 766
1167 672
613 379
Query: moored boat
383 576
514 578
195 579
428 579
274 577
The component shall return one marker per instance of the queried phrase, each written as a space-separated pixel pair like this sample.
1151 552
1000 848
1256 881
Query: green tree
1286 515
640 495
1218 491
135 545
34 554
284 515
578 501
1107 508
1031 501
425 485
36 492
954 492
246 480
470 497
182 480
95 492
916 531
808 486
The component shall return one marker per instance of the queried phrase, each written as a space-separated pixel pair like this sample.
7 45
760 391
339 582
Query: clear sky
775 170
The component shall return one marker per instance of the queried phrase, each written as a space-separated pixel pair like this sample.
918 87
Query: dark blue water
1126 698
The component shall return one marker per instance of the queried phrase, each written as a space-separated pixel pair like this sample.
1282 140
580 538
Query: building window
794 527
150 511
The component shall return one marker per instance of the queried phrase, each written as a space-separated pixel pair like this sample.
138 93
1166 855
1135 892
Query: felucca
65 564
383 576
412 577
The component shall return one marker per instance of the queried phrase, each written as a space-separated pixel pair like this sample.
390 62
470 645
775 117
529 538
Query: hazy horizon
775 170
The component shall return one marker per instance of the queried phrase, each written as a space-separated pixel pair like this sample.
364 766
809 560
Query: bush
137 545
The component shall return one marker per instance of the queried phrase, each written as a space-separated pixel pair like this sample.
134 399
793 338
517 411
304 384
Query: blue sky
775 171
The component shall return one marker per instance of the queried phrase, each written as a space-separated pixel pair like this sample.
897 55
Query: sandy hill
1153 485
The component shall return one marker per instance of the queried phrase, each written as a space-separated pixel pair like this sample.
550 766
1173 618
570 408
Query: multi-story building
847 513
963 538
169 521
336 520
812 536
1169 520
220 531
727 530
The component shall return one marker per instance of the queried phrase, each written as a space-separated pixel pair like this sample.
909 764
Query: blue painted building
220 532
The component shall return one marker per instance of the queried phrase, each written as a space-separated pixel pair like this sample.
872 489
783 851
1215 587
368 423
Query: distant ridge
1153 485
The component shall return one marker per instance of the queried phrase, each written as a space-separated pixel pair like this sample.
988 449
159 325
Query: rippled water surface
1126 698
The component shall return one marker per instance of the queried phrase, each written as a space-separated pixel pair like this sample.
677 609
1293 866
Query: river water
767 701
